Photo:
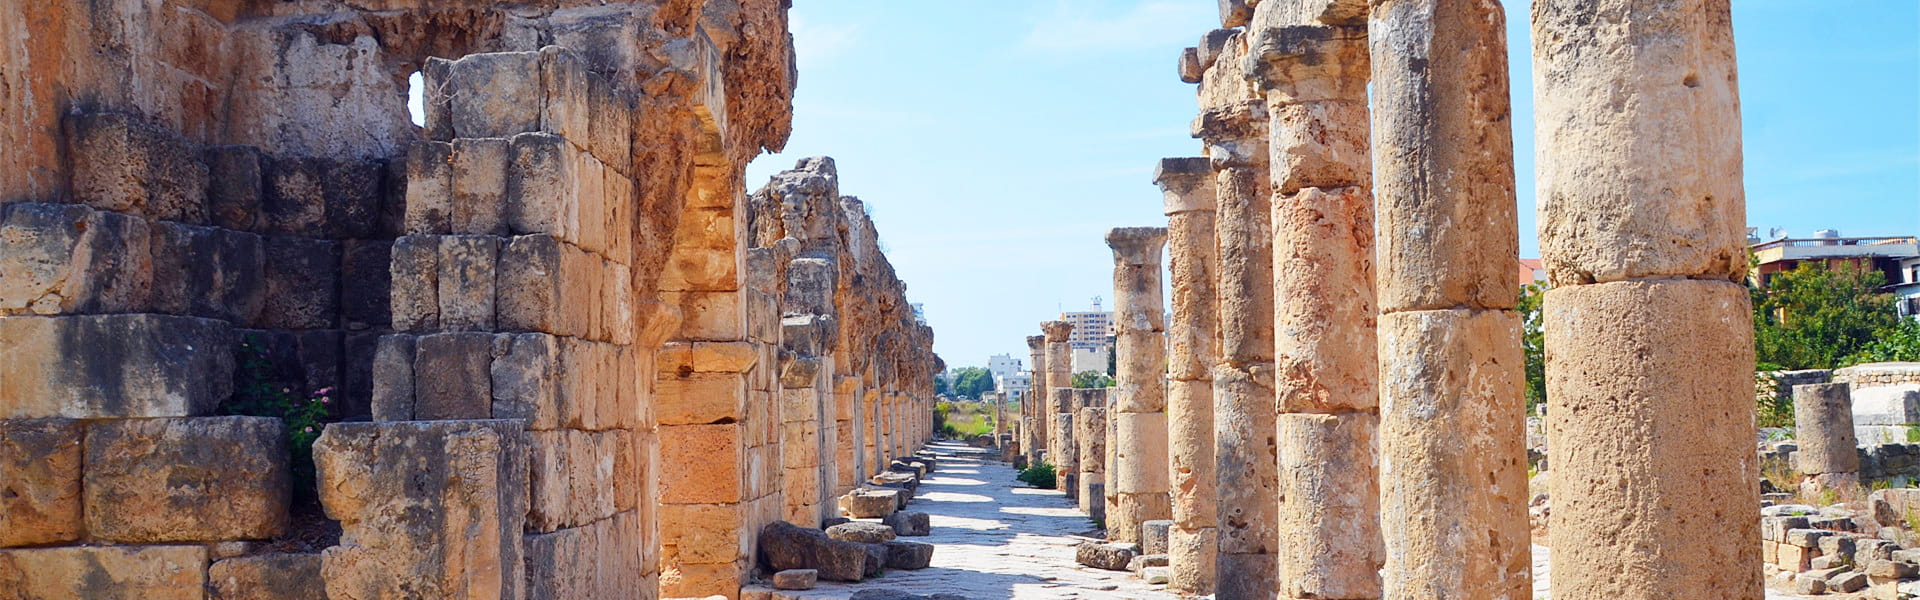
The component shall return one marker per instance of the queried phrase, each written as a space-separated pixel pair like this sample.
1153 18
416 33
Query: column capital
1187 184
1137 245
1036 343
1309 63
1057 331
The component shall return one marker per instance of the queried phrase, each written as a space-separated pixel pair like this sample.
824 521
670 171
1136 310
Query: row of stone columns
1364 431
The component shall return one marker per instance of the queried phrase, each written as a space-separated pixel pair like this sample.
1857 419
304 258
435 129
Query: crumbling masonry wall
558 360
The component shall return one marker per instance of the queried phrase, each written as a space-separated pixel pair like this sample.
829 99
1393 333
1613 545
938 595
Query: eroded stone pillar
1649 345
1032 441
1140 386
1452 411
1192 340
1312 67
1233 126
1090 431
1059 376
1823 426
1065 448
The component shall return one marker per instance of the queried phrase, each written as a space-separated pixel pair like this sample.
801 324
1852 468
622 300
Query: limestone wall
554 361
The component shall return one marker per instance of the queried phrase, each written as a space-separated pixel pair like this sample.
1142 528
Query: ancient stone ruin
548 344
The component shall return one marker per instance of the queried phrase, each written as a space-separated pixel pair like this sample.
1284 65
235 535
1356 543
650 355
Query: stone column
1059 376
1648 334
1140 388
1823 426
1453 469
1065 448
1233 125
1314 75
1192 340
1090 430
1032 440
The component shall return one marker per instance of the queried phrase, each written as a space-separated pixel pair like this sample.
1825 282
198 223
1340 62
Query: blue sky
997 140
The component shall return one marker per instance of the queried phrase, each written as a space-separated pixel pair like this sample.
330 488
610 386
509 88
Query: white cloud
1085 26
815 44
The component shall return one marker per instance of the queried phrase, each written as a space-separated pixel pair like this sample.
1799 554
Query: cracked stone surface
994 538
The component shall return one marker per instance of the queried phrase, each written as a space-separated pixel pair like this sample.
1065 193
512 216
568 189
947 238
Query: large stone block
415 298
1451 410
302 279
126 165
237 179
323 198
267 577
1330 544
67 259
466 282
453 375
199 479
526 381
1886 405
1140 447
718 448
495 94
393 385
1245 457
1651 381
480 186
113 366
1323 300
366 284
105 572
429 188
540 185
530 292
1640 170
40 462
1193 555
377 479
207 272
696 397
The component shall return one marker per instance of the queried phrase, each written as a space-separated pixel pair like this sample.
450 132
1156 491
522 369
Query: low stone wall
1878 374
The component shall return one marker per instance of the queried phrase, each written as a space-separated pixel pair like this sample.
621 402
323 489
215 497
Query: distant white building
1092 338
1009 375
1906 287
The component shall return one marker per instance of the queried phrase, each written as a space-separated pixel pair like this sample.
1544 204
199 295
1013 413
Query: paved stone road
996 538
999 539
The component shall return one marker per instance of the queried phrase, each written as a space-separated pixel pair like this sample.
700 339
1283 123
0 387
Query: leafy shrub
1040 476
305 414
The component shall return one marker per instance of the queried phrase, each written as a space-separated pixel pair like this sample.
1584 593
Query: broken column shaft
1139 474
1059 377
1648 337
1453 470
1032 440
1192 340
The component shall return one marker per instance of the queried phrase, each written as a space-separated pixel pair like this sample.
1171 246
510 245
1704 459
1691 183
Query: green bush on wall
1040 476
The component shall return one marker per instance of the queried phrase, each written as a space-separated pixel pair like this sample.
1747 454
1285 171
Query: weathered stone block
67 259
1823 426
267 577
236 186
1652 381
909 523
530 292
301 278
466 282
699 397
1140 448
719 446
495 94
784 545
480 186
207 272
113 366
430 176
1332 513
393 386
415 299
126 165
323 197
187 480
540 185
1112 557
908 555
366 284
526 381
869 503
40 466
106 572
452 376
376 478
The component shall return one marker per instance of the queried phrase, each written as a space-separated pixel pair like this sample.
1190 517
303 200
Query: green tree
1091 379
970 382
1815 317
1533 345
1901 343
940 386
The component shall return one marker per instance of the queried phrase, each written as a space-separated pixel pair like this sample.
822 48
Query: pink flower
309 430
